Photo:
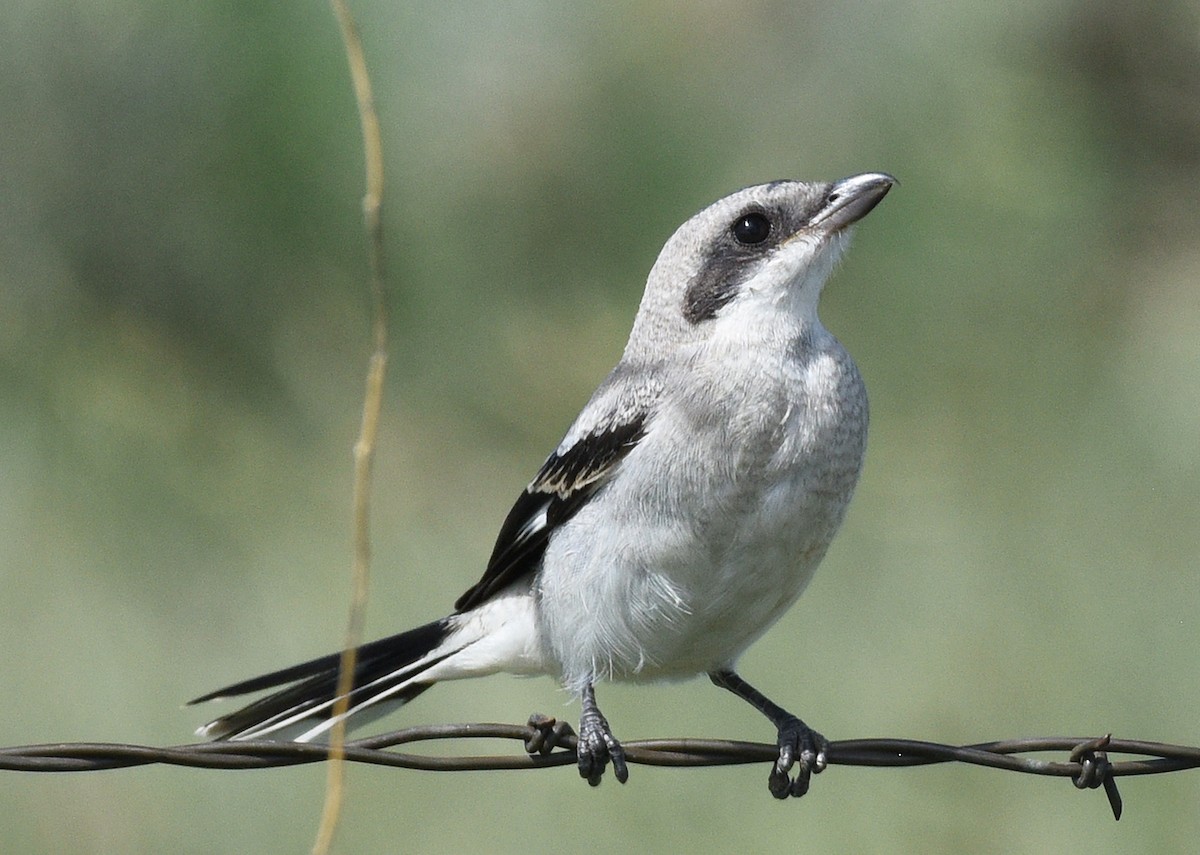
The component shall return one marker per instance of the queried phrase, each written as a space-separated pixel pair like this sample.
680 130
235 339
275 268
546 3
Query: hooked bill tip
851 199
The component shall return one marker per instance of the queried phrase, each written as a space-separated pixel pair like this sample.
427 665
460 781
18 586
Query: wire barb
549 742
1095 770
547 733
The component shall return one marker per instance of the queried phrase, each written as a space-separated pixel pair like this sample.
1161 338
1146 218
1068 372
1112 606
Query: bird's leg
797 741
596 744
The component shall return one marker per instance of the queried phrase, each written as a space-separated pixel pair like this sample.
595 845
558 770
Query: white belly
677 571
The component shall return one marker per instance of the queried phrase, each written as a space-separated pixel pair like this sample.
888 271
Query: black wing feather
562 486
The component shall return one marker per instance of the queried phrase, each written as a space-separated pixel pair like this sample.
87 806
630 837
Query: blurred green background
183 334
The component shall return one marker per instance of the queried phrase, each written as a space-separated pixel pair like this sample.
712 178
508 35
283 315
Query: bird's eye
751 228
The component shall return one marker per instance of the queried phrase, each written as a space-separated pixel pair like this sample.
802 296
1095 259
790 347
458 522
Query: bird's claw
798 744
595 747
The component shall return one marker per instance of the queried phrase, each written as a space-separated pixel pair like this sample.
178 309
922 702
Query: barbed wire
549 743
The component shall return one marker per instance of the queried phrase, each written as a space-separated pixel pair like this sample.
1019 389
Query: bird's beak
851 199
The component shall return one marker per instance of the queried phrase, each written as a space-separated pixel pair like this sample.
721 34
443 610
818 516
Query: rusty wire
549 743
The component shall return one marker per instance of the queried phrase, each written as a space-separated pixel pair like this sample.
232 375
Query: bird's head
762 252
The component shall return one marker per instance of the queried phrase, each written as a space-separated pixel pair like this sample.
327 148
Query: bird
684 511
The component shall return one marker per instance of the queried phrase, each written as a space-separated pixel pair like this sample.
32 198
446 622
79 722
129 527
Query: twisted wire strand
547 743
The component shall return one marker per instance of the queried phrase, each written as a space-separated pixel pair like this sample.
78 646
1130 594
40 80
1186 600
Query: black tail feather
318 681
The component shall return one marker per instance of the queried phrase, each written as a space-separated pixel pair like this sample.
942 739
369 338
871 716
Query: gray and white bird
683 513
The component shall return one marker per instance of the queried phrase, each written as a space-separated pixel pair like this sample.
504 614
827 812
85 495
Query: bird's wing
564 484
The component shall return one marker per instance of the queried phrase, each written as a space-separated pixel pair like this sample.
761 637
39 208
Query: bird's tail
387 674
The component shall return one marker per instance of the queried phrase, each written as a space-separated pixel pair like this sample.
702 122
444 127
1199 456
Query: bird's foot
596 746
798 743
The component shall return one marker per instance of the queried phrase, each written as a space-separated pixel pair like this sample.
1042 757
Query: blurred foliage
183 337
